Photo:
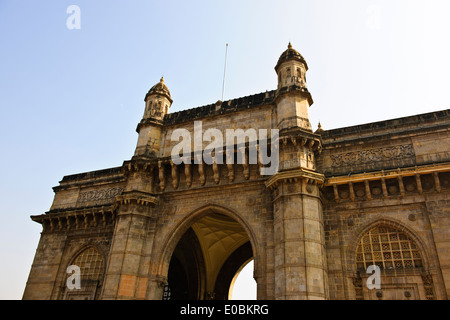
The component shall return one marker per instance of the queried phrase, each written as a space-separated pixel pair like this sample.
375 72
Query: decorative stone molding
293 176
309 141
428 286
76 219
137 197
101 194
398 189
372 155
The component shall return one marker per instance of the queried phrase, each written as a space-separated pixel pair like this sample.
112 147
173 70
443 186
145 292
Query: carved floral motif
102 194
373 155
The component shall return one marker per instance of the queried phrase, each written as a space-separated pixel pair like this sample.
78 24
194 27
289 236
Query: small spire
319 129
162 80
289 45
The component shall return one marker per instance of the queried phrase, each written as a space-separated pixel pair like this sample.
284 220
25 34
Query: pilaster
128 265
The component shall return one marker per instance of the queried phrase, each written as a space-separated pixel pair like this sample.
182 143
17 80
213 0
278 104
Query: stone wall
392 173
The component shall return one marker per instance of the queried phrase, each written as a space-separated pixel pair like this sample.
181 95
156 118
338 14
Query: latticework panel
90 262
389 249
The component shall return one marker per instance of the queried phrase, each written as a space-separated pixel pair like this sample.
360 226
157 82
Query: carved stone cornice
151 121
294 90
138 164
301 138
136 197
289 176
71 219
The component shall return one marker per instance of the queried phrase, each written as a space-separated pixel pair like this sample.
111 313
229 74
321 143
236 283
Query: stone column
300 258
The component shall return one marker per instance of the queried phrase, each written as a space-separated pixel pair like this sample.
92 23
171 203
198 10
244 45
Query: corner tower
299 242
293 97
157 104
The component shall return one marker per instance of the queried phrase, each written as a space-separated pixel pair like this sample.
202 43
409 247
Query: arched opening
243 285
207 257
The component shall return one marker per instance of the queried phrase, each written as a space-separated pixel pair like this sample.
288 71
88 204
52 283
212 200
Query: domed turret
290 54
157 104
293 98
157 101
159 89
291 69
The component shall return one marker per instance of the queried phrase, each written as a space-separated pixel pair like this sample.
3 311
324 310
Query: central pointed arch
223 235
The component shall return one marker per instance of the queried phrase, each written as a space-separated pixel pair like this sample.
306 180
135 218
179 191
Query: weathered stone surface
154 223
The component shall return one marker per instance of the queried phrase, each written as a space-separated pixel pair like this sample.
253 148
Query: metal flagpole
224 70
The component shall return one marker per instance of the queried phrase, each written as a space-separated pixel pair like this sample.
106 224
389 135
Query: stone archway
211 249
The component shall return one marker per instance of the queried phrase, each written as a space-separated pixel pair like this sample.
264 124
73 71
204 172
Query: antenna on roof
224 70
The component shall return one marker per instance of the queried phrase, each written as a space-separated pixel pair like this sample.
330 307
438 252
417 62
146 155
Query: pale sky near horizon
71 99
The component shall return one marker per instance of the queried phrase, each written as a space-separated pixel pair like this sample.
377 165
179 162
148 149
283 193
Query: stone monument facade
341 202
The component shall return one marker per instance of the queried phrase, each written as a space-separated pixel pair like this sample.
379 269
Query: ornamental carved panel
101 195
373 155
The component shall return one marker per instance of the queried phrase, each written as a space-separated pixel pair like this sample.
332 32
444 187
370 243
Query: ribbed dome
159 88
290 54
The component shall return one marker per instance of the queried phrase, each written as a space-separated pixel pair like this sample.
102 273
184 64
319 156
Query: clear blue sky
71 99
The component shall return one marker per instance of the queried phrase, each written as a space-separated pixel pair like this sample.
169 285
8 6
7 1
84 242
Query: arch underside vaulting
207 257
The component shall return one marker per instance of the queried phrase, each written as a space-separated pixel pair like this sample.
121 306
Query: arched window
288 72
91 265
389 249
148 110
90 262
